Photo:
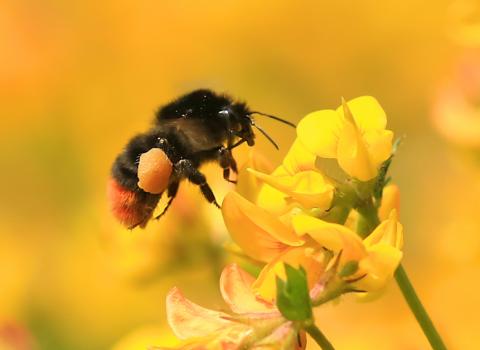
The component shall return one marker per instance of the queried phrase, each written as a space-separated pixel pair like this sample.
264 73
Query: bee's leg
185 168
172 193
227 162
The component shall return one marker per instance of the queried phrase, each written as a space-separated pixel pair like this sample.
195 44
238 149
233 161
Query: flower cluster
322 224
321 206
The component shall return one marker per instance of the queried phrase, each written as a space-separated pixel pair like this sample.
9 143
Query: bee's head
240 122
252 123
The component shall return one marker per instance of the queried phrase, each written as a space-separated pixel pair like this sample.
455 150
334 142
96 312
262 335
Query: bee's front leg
227 162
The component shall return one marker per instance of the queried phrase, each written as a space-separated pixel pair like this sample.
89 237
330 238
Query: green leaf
293 298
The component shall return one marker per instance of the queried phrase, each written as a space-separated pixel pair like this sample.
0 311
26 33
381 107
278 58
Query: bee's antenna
274 117
264 134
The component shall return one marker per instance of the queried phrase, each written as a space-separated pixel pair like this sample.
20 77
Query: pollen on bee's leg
154 171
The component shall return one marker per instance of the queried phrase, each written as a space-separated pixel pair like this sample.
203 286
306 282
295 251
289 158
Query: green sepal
349 269
293 298
382 179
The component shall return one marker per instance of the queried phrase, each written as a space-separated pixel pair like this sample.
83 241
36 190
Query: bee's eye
224 113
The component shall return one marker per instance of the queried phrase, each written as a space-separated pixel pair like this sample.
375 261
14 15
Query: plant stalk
367 223
418 309
318 336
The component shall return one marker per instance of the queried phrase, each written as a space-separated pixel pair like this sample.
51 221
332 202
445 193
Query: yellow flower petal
389 232
260 234
308 188
390 201
352 154
188 319
380 265
309 258
270 198
383 246
367 112
318 132
298 159
334 237
236 288
379 145
247 185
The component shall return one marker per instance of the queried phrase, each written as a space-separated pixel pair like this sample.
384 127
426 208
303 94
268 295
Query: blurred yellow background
79 78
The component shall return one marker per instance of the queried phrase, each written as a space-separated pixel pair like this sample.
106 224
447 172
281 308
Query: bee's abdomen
130 208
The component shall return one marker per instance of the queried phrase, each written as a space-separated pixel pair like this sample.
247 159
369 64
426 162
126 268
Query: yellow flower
260 234
311 259
295 182
275 230
378 255
354 134
308 188
264 237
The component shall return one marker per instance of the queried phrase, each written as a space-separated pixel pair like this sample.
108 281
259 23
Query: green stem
337 215
418 310
368 218
318 336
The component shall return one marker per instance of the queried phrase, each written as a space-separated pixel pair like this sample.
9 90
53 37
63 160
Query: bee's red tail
130 208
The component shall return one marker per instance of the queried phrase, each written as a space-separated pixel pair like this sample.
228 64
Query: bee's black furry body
196 128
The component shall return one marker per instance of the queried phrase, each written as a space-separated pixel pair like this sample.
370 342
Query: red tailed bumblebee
198 127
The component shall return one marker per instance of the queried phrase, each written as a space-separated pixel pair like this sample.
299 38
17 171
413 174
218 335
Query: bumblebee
199 127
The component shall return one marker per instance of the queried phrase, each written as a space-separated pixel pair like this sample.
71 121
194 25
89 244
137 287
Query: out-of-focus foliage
78 78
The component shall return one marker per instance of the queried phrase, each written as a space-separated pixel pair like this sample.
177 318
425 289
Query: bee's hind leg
172 193
186 169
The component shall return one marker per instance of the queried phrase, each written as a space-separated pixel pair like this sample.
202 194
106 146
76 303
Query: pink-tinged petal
236 288
230 338
260 234
367 112
318 132
283 337
298 158
189 320
310 259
